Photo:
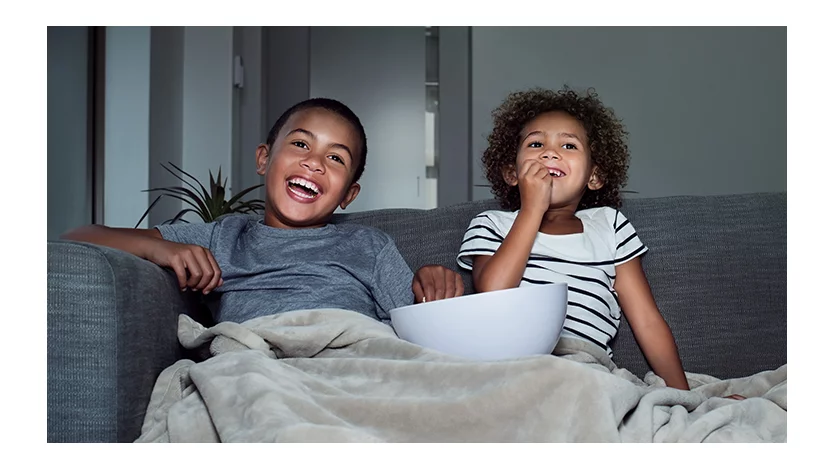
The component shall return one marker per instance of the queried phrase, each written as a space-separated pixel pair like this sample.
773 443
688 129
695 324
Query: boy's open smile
303 189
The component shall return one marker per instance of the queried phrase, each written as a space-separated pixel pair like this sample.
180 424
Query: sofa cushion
717 266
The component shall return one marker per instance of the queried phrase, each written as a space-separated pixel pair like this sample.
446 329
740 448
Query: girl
557 161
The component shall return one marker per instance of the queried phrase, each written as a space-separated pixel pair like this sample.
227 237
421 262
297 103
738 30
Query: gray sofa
717 266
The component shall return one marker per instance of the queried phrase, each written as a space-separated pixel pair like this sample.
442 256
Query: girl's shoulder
495 217
597 212
605 216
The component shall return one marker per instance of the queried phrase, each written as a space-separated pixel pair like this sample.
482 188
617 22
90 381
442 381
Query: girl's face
559 142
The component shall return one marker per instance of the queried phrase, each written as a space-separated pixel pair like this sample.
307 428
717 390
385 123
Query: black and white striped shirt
585 261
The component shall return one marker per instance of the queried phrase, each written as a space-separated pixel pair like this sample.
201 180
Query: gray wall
249 125
207 103
287 69
127 122
454 183
166 116
706 107
69 197
380 73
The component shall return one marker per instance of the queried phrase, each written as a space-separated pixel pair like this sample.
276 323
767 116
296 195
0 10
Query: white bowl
497 325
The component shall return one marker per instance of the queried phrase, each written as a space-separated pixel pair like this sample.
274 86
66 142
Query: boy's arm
435 282
650 329
194 265
138 241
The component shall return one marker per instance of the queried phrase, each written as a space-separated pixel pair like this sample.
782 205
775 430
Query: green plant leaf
239 195
194 200
203 214
206 196
180 214
179 177
207 204
246 207
145 214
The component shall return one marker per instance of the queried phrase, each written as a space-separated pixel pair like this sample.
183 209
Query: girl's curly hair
606 140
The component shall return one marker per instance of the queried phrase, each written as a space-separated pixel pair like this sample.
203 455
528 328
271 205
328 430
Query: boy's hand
435 282
194 265
534 184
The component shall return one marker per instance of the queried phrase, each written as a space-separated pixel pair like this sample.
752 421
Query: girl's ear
595 182
510 175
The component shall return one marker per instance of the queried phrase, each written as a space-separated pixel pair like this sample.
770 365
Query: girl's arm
504 269
650 329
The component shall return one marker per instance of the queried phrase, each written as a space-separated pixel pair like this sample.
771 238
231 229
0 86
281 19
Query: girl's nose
551 154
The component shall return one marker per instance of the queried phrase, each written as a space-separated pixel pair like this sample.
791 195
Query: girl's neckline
581 222
582 232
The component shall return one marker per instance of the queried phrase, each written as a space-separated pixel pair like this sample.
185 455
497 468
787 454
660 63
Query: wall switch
237 75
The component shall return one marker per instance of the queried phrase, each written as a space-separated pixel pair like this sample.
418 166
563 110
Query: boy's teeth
307 184
308 196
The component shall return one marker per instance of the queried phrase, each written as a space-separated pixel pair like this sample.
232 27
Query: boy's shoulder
236 223
363 234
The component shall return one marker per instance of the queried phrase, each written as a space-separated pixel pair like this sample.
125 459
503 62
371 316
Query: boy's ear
262 158
510 175
595 182
350 195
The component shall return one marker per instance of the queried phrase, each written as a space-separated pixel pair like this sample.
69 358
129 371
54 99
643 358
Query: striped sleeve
483 237
628 244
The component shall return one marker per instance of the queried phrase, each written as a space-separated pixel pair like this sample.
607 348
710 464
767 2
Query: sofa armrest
111 329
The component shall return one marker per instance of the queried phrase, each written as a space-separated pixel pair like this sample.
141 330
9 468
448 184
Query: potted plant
209 204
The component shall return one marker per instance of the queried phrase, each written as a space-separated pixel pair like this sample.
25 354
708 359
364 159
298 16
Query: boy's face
558 142
309 169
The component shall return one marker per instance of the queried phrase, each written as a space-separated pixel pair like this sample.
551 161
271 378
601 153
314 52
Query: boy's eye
337 159
299 144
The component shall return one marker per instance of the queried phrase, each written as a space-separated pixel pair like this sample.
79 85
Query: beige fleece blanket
339 376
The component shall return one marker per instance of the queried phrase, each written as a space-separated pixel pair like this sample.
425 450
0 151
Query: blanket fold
333 375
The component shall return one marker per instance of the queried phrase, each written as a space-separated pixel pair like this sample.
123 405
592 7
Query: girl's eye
337 159
535 144
569 146
299 144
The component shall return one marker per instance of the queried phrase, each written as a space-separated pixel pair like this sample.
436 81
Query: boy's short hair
333 106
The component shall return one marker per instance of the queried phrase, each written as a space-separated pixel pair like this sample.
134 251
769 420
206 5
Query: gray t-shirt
269 270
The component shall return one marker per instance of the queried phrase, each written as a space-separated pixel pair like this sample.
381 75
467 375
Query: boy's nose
313 164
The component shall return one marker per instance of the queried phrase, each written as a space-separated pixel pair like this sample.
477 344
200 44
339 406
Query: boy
292 258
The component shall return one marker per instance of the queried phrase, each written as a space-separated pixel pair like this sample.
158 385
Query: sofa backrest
717 266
